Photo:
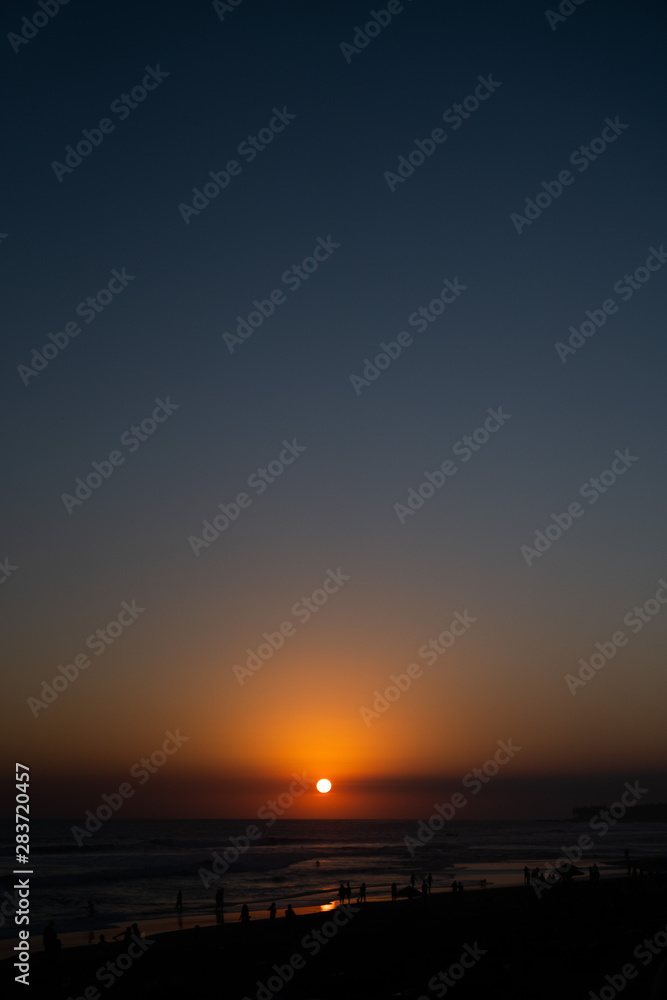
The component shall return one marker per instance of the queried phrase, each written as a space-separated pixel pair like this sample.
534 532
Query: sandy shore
506 943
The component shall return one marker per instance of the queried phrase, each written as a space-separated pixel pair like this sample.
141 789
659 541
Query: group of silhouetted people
244 915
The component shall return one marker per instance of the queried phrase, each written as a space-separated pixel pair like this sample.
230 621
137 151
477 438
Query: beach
507 942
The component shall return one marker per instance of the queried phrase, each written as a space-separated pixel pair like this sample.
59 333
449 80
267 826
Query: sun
324 785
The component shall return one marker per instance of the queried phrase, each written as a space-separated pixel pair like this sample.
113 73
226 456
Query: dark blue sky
323 176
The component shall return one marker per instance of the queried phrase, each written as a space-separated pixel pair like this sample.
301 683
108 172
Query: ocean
132 870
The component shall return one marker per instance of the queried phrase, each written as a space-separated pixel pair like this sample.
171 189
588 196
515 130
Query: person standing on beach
394 891
413 879
289 912
179 900
342 893
272 911
244 915
51 941
526 875
361 898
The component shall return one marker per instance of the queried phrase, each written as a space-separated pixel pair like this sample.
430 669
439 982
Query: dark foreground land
499 943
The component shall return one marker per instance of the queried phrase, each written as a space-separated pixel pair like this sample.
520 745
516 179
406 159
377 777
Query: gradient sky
323 176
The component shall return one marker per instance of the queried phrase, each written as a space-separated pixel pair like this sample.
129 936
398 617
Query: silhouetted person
455 886
179 900
103 944
424 888
361 898
413 879
135 930
394 890
244 915
342 893
272 911
430 881
220 899
51 941
526 875
317 864
289 912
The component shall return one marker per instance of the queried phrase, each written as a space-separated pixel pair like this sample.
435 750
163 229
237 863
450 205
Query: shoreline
510 876
577 929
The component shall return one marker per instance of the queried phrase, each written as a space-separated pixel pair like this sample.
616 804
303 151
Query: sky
262 335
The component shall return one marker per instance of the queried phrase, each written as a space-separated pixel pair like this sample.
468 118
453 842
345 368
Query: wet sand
502 943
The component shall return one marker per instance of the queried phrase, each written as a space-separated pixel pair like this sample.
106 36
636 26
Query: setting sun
324 785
